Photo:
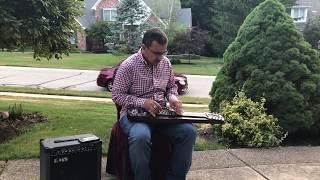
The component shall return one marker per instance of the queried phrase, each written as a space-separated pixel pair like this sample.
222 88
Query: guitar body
168 116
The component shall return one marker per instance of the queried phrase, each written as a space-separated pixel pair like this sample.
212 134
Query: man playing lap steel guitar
145 80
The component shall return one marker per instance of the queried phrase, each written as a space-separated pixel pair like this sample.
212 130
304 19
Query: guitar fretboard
168 116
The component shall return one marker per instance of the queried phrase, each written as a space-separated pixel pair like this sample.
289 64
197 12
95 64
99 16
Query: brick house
106 10
304 10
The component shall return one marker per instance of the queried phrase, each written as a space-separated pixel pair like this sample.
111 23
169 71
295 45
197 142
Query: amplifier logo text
60 160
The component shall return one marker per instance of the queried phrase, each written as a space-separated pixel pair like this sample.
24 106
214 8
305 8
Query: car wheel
109 86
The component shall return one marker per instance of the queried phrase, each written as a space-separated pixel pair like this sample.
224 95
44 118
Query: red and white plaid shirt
137 81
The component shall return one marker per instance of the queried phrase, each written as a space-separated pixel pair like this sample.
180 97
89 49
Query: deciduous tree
100 32
44 25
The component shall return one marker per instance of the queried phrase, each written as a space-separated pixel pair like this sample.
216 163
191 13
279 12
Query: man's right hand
152 106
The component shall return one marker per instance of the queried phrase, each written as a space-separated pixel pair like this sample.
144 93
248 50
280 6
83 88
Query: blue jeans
183 137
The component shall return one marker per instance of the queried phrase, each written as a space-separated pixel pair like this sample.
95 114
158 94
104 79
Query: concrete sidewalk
281 163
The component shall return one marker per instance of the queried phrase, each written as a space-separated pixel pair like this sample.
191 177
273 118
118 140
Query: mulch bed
10 128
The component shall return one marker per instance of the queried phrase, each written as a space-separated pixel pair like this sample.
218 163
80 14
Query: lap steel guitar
169 116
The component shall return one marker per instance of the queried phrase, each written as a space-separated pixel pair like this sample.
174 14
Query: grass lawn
61 92
203 66
67 118
73 61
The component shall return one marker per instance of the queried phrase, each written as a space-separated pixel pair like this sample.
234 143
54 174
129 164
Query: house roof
159 9
88 17
94 7
163 8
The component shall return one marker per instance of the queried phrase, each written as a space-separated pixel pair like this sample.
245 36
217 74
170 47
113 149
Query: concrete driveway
199 86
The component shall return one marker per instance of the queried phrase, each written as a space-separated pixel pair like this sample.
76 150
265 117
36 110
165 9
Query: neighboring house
162 13
170 11
304 10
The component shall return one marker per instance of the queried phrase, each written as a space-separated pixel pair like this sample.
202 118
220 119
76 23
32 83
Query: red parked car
105 79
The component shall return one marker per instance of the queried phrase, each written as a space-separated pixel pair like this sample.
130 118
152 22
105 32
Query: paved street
199 86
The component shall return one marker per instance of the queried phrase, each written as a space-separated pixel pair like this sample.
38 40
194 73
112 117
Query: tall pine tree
270 58
131 14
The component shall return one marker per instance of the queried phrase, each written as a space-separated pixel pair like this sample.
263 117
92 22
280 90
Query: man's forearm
127 100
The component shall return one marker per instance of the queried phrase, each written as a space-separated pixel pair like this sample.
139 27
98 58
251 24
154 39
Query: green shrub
119 50
174 60
270 58
247 124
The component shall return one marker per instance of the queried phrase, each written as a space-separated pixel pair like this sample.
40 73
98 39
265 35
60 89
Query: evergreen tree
269 58
131 14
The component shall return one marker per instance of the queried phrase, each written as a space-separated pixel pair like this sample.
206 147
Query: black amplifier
70 158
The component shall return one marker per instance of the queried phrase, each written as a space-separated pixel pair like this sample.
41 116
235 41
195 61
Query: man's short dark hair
154 34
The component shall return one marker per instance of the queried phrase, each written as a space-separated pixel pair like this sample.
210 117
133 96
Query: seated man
145 79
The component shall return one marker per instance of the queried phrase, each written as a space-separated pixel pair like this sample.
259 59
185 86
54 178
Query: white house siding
313 9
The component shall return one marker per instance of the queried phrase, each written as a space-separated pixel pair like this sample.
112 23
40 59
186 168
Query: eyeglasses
159 53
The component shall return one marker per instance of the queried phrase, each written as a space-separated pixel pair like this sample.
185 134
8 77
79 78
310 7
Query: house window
72 39
299 14
110 14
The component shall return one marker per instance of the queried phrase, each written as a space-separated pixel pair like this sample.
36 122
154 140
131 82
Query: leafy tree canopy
188 42
269 58
44 25
100 31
